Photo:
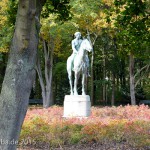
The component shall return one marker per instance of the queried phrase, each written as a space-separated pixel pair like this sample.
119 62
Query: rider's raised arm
73 47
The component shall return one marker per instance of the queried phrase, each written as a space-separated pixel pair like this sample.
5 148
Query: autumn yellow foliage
3 15
50 31
3 20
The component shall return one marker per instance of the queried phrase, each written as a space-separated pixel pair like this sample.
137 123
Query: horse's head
87 45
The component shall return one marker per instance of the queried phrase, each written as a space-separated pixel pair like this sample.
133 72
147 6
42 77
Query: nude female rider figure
75 47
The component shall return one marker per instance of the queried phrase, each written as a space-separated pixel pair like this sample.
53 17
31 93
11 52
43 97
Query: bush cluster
130 124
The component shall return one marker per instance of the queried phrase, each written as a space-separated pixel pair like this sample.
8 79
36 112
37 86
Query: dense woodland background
119 32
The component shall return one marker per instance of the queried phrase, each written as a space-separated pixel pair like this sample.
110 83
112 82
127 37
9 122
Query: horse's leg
76 77
70 82
70 75
83 82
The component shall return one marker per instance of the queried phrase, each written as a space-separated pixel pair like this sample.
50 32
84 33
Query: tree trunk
113 91
132 86
51 71
50 101
92 63
47 85
20 73
104 76
92 79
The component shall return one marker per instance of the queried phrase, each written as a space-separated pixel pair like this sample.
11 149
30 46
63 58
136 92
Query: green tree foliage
132 22
117 29
60 7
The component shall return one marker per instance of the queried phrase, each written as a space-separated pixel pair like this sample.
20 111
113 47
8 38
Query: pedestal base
77 106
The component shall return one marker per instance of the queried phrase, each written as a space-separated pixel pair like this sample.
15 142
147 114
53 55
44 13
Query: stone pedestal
77 106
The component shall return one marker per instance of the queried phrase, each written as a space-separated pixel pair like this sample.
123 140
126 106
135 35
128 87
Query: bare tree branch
146 66
141 77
